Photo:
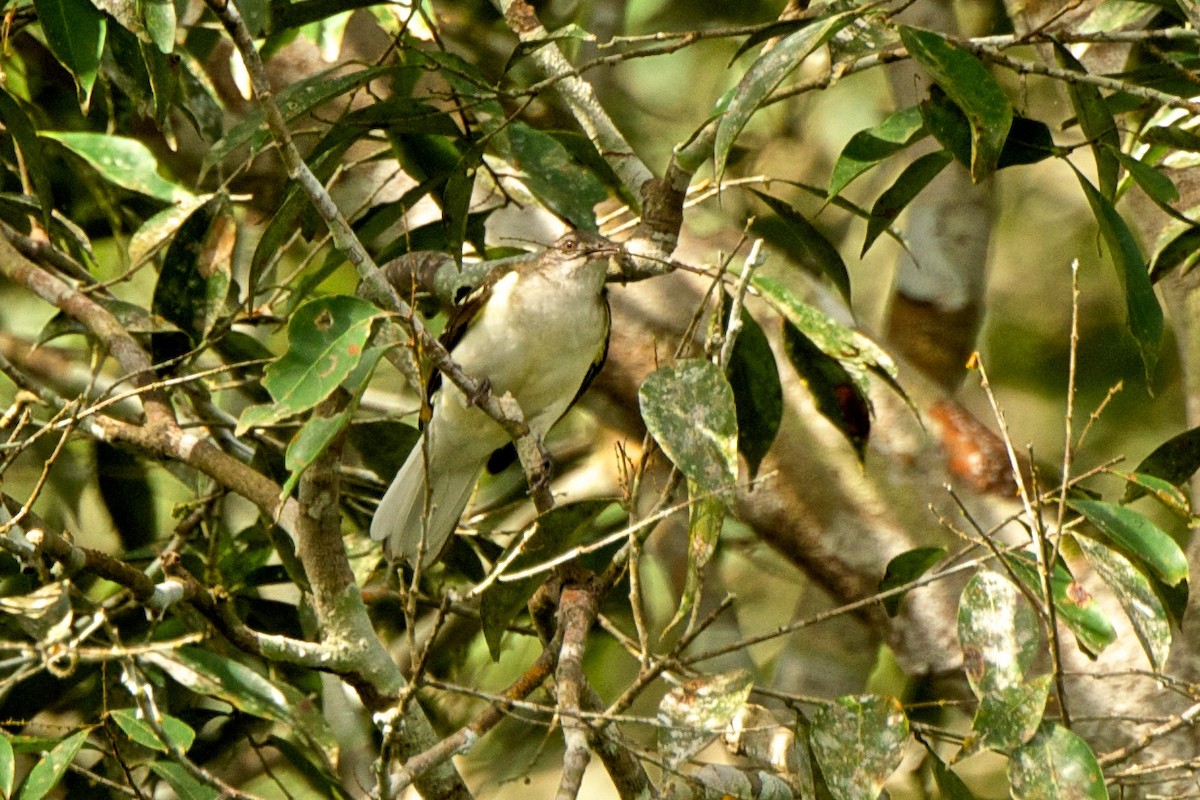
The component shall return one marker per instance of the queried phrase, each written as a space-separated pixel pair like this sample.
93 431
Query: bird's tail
401 517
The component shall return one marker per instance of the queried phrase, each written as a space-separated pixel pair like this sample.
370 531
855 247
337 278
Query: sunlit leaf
8 766
1138 537
859 742
697 711
1077 609
1141 605
136 728
1007 717
1169 495
867 148
326 341
905 568
969 84
764 76
1143 314
1175 461
998 633
1056 765
689 410
46 774
126 162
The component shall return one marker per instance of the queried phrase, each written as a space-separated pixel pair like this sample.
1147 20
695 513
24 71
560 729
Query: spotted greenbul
537 329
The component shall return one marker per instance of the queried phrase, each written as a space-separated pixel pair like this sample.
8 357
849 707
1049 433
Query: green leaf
1144 316
46 774
948 124
838 396
906 568
123 161
809 246
326 341
1029 141
1056 765
1138 537
1181 250
210 674
706 515
158 230
871 146
949 784
1157 186
1170 496
294 101
1096 121
764 76
74 31
689 410
1076 608
24 135
697 711
179 779
136 728
1175 461
757 393
558 530
998 633
1137 598
8 766
1175 138
555 178
193 284
1007 717
915 177
159 18
969 84
859 742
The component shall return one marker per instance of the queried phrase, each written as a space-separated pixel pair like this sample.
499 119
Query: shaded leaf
697 711
757 393
838 396
1175 461
1007 717
179 779
809 246
558 530
1137 537
908 184
859 742
123 161
905 568
213 675
555 178
193 284
1029 141
20 127
1096 121
1173 137
868 147
1141 605
46 774
949 784
1076 608
969 84
1056 765
998 633
706 515
1181 250
689 410
74 31
1144 316
326 341
1165 492
764 76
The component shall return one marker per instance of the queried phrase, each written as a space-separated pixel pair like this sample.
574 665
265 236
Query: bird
537 329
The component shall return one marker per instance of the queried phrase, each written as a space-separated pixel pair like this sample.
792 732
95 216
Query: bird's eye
569 245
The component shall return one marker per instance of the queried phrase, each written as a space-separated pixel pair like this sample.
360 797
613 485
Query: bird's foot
481 391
